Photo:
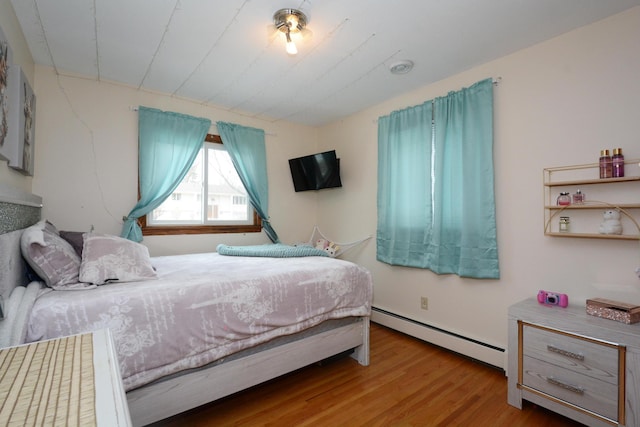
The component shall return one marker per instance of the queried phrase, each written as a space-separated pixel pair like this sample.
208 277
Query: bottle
564 224
578 197
618 163
563 199
606 166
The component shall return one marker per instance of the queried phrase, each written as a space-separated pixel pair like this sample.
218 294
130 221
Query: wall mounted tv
316 171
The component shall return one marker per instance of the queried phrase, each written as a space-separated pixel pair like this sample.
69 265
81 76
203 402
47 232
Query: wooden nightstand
71 381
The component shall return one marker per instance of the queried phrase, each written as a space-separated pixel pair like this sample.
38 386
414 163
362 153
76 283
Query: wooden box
613 310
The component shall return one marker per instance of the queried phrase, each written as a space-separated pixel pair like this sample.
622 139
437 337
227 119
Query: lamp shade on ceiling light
290 21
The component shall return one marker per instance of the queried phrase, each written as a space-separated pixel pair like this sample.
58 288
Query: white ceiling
220 52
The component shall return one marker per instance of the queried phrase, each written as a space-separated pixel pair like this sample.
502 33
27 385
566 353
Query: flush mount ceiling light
401 67
288 22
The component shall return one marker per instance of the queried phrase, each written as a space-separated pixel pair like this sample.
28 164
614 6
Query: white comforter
204 307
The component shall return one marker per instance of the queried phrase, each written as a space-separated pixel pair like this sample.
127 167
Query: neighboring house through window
210 199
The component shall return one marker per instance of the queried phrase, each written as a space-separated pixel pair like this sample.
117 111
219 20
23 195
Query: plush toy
322 244
611 223
332 249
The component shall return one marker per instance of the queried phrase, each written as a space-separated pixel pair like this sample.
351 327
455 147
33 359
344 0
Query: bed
200 326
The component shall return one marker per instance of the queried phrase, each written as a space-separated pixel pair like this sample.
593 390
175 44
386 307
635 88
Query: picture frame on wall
22 121
19 144
7 151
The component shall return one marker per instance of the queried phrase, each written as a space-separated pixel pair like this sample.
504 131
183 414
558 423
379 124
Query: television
316 171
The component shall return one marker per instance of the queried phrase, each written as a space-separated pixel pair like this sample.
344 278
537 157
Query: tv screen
316 171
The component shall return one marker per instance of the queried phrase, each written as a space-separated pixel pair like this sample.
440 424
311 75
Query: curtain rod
495 80
213 125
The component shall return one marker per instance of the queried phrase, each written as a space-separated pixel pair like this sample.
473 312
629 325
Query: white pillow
107 259
52 258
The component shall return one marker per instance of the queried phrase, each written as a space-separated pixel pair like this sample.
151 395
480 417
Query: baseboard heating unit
483 352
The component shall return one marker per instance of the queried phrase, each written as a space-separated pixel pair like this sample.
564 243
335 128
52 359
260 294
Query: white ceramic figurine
611 223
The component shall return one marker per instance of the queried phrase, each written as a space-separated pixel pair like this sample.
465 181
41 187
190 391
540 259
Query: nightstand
71 381
578 365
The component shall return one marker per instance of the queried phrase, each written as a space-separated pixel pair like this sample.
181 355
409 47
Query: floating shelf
620 193
594 236
593 206
592 181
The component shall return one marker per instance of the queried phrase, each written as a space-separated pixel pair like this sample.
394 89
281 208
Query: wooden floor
409 383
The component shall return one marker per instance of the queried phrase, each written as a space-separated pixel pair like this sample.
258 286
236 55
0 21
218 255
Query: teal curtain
168 143
248 153
436 203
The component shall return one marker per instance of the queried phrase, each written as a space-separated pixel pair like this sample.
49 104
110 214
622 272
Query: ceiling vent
401 67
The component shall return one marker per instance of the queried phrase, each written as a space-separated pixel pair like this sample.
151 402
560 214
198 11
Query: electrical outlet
424 303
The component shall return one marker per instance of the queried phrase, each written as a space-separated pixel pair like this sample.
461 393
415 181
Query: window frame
165 230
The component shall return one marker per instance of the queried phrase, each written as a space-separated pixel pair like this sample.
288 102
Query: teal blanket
275 250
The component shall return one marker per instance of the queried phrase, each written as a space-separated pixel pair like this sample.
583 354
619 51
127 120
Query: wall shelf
600 194
593 206
591 181
593 236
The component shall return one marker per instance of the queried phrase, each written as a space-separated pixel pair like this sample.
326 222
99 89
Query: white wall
559 103
22 58
86 161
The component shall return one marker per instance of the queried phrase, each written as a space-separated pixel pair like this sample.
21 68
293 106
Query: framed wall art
6 150
22 120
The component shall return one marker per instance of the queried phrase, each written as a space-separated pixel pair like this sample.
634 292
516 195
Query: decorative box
613 310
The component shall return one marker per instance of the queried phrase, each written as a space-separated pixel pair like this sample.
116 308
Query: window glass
211 198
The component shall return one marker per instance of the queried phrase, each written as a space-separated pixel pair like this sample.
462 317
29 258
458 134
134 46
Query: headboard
18 210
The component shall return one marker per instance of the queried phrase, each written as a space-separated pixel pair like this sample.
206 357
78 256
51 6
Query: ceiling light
401 67
290 21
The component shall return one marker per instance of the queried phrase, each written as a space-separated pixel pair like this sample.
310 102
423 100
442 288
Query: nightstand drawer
594 359
576 388
565 367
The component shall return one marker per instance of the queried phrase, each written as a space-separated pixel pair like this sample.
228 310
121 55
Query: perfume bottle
606 164
617 162
564 199
578 197
564 224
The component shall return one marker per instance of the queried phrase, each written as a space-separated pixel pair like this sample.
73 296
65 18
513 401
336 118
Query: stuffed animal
332 249
322 244
611 223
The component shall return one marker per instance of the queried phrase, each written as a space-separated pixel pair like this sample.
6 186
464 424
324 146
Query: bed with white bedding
207 325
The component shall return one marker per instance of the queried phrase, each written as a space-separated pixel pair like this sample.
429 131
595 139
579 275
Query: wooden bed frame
171 396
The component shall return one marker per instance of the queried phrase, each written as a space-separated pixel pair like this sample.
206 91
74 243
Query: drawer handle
573 388
570 354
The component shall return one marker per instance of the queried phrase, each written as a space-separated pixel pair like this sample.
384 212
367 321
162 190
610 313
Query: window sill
200 229
168 230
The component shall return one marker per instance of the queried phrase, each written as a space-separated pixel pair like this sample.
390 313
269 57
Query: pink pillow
50 256
107 259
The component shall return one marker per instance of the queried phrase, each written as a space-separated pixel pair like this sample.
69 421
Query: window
239 200
210 199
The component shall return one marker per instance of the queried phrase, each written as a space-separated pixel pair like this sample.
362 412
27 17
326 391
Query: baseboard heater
466 346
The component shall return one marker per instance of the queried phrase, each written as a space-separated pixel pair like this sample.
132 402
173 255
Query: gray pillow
50 256
107 258
75 240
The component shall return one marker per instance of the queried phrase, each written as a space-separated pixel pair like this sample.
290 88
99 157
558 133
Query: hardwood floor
409 383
